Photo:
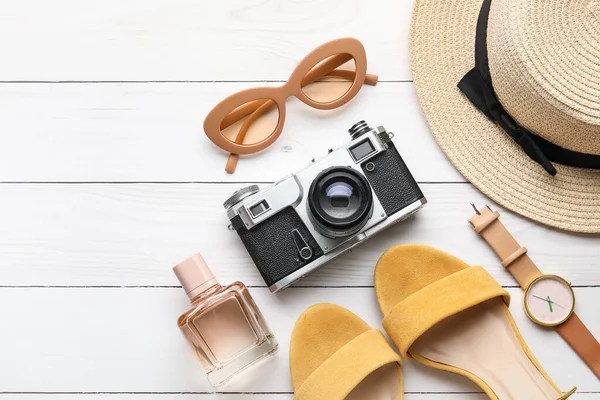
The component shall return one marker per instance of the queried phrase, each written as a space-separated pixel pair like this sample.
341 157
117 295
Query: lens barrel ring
349 224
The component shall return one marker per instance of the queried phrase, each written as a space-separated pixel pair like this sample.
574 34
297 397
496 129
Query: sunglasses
251 120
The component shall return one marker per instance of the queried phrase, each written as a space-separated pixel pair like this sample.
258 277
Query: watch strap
578 336
515 259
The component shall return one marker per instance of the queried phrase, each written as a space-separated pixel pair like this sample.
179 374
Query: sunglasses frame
254 98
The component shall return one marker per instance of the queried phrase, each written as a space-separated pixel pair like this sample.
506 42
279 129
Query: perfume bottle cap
194 275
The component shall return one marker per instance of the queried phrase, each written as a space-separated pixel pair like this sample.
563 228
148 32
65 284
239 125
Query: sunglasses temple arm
329 68
326 67
239 139
370 79
240 112
232 161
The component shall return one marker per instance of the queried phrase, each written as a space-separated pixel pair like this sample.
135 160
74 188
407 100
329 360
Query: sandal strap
348 367
419 312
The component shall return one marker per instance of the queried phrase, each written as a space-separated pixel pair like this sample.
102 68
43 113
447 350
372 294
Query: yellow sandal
450 316
335 355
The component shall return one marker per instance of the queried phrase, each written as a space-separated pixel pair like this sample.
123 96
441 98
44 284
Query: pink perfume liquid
224 326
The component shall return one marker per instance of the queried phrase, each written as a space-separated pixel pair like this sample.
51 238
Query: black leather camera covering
391 180
272 247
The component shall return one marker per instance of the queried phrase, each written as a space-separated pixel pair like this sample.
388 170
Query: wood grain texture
250 396
126 340
183 40
95 235
153 132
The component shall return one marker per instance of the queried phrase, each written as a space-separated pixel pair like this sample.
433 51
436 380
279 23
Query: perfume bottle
223 325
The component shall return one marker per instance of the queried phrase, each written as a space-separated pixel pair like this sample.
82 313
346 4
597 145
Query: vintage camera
306 219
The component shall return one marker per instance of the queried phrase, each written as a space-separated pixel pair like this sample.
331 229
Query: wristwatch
549 300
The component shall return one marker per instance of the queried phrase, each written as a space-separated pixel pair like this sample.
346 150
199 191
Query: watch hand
549 303
548 300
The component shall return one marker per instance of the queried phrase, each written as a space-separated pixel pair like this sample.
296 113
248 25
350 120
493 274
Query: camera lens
340 202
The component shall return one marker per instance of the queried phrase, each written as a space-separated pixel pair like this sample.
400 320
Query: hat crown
544 58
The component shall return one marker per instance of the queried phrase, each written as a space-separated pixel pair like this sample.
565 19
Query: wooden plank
183 40
126 340
262 396
153 132
116 235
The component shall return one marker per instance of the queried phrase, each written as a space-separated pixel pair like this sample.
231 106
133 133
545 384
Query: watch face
549 300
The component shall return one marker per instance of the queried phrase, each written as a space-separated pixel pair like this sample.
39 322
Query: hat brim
442 40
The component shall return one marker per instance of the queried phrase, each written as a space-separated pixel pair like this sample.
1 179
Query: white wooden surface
107 180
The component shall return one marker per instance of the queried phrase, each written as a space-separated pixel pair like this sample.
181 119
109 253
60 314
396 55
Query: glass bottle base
220 376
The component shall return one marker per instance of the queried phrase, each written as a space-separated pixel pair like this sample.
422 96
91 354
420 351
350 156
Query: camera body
306 219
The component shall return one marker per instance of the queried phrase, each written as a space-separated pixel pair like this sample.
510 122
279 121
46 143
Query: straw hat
537 82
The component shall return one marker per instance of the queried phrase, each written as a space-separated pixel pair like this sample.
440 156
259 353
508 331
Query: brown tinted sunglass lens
330 79
251 122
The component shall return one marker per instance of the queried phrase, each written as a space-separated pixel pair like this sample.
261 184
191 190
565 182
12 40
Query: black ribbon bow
477 86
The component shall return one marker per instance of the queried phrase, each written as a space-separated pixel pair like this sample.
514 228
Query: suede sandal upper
437 301
332 351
